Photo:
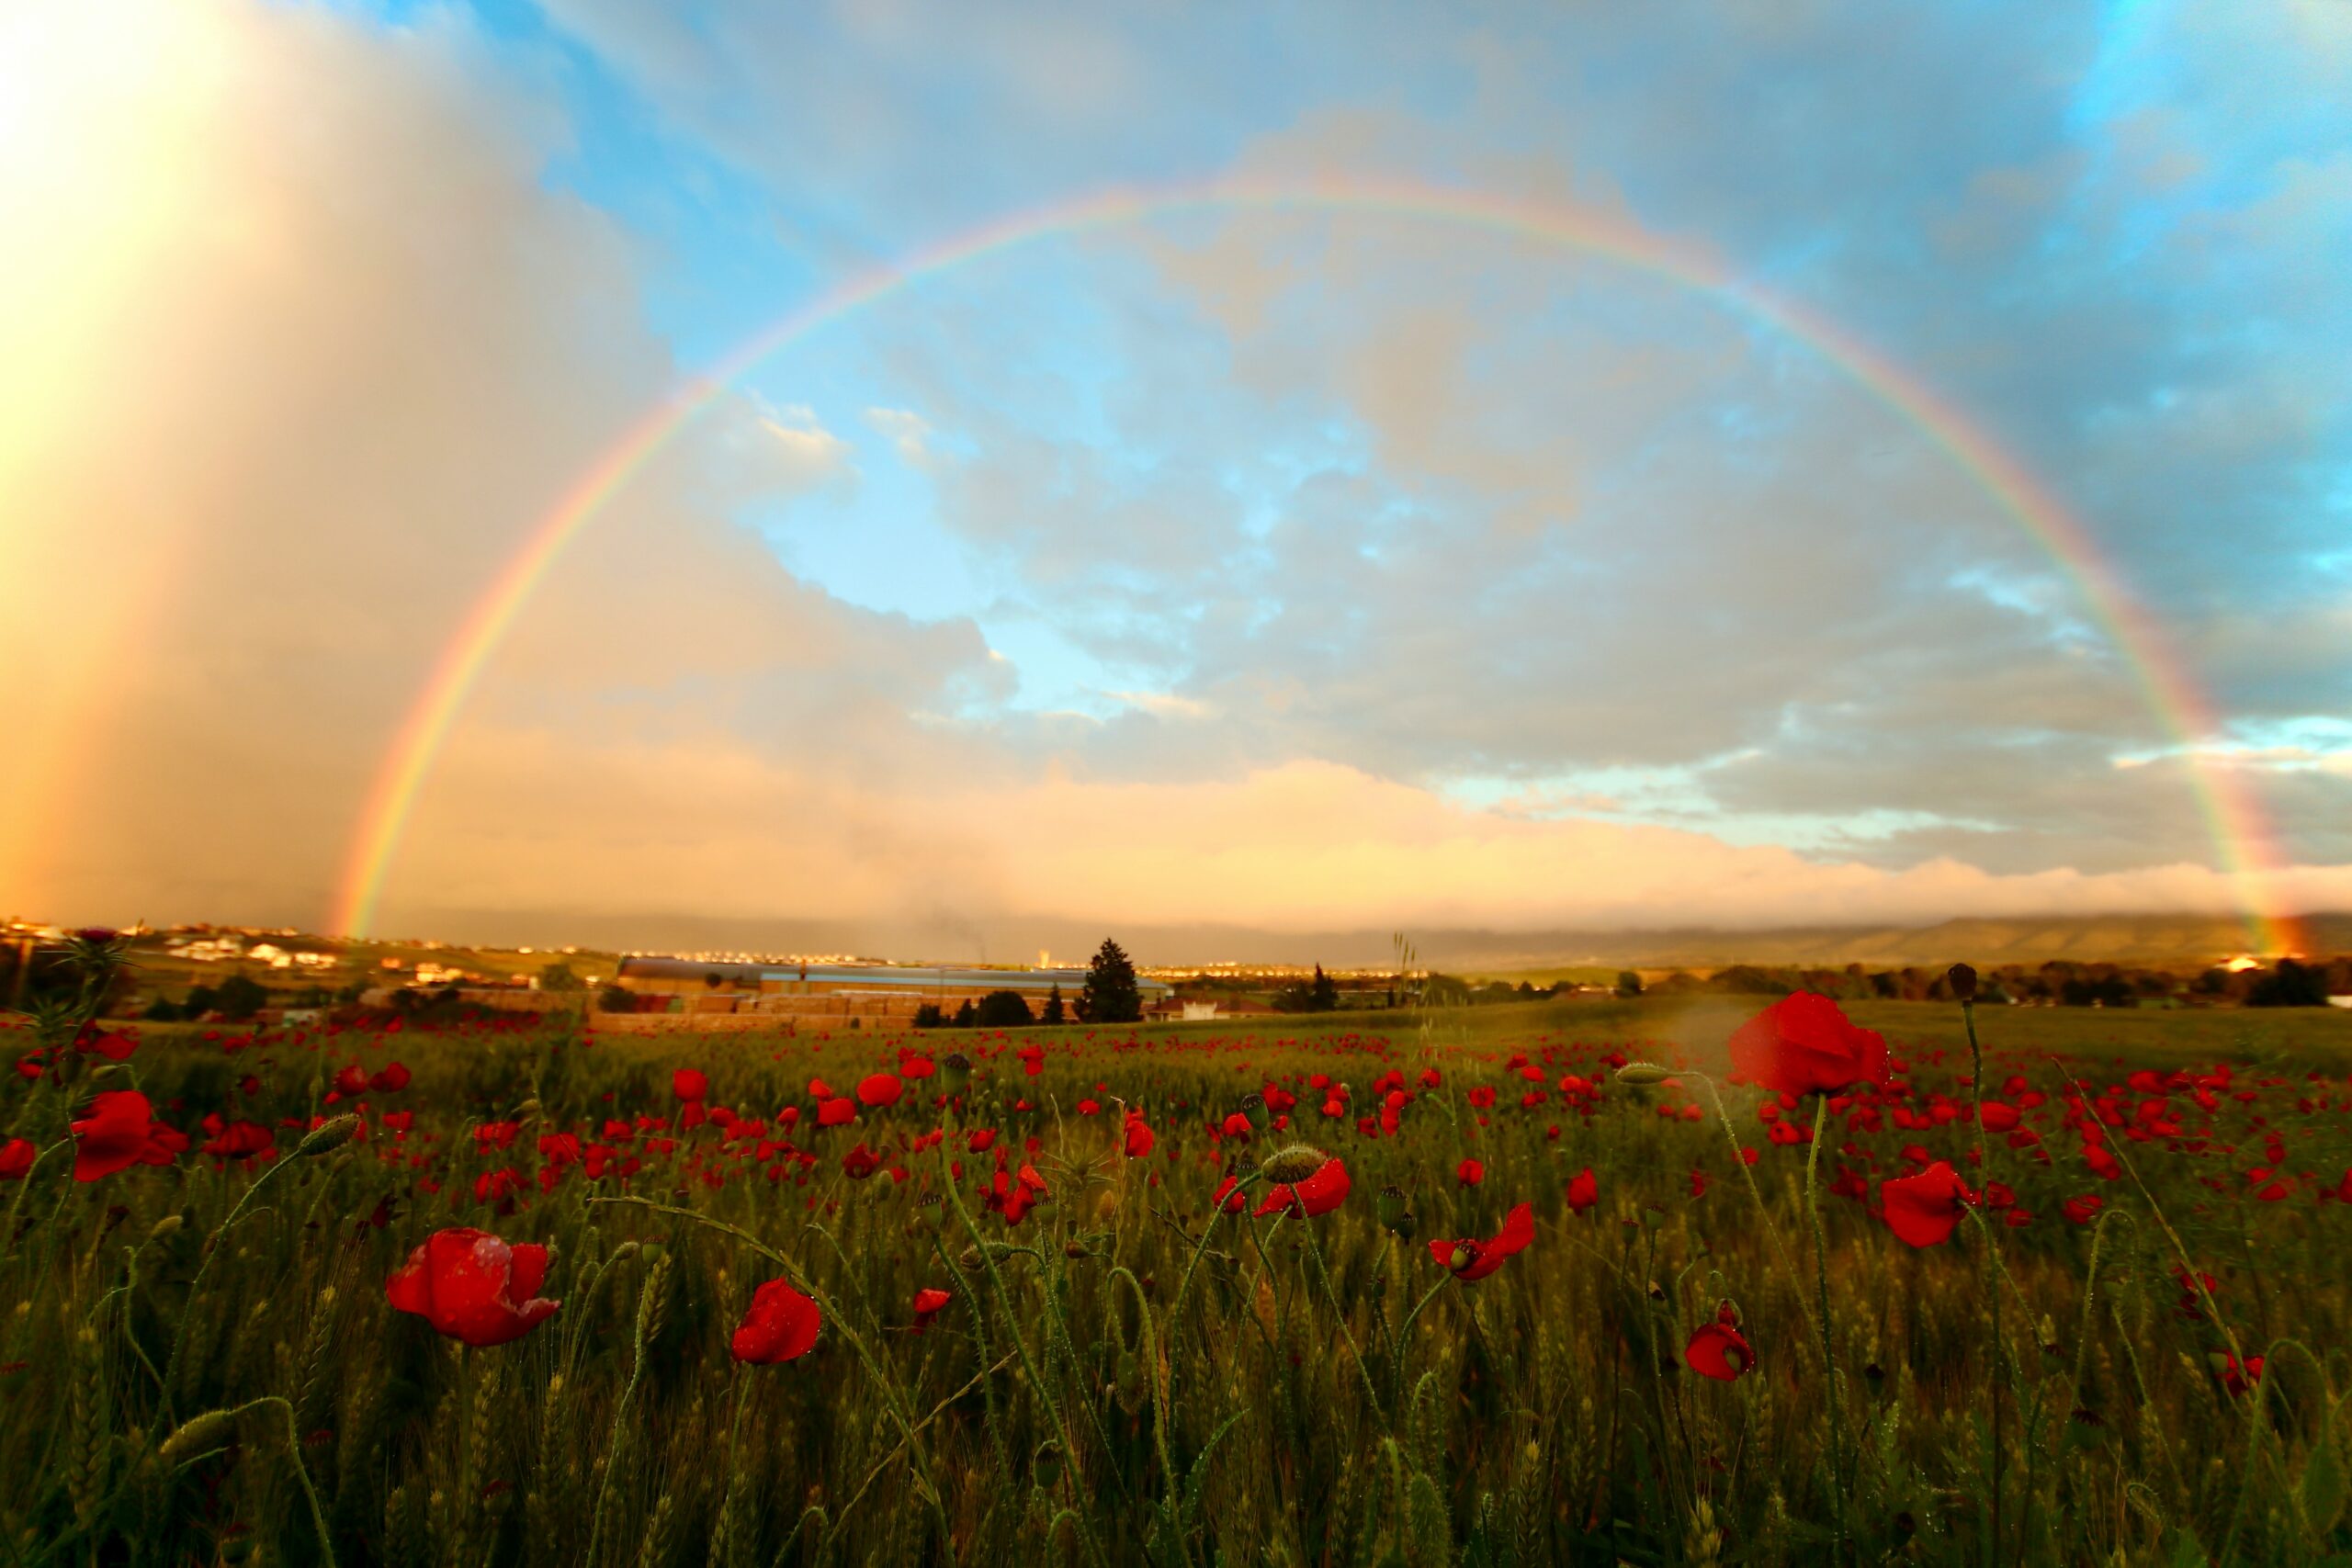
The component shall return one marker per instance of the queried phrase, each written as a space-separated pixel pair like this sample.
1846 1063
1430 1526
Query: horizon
893 474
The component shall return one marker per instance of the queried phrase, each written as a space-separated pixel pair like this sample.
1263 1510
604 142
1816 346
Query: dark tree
1110 994
615 998
965 1015
1324 995
1002 1010
2290 986
1054 1012
559 977
1628 983
240 997
928 1016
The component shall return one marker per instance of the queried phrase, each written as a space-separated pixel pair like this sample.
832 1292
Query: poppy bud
955 1072
1254 1111
1640 1073
327 1136
1293 1165
1047 1466
195 1433
1963 982
166 1226
1874 1379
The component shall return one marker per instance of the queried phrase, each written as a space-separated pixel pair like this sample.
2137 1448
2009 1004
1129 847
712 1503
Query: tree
965 1015
615 998
1324 995
2290 986
1002 1010
1628 983
928 1016
1110 994
1054 1013
240 997
559 978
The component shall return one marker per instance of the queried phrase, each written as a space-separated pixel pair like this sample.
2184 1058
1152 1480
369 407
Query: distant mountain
2182 939
2177 940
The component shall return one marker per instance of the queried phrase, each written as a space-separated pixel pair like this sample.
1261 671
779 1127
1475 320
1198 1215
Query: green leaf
2320 1494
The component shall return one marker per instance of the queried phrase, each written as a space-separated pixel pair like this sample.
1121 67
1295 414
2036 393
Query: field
2131 1349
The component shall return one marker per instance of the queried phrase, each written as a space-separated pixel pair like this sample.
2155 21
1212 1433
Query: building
881 992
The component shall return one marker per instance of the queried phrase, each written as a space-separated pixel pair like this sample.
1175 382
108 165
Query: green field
199 1361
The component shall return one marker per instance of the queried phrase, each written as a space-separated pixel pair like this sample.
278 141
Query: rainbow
2233 814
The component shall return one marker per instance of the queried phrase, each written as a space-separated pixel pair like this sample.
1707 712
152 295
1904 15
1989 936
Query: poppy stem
1992 1263
1828 1340
1346 1333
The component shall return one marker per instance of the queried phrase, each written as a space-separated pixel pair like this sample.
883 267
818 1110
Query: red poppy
390 1079
879 1090
17 1158
351 1080
1229 1197
1473 1259
780 1326
1718 1351
1923 1209
689 1084
247 1141
930 1303
113 1047
839 1112
1805 1045
472 1286
2084 1208
1999 1117
1583 1190
1320 1193
1470 1173
1139 1138
121 1132
860 1163
2234 1379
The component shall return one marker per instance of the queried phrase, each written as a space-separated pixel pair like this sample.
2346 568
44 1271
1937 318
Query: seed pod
955 1072
1963 981
1255 1110
1294 1164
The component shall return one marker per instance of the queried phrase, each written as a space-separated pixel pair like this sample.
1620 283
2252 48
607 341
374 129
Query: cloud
907 433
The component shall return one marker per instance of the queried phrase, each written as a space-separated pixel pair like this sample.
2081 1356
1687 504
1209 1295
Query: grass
1130 1375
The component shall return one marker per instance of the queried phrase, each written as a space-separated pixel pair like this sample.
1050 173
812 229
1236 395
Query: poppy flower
1805 1045
1229 1197
1470 1173
472 1286
1473 1259
1322 1189
113 1047
1999 1116
1718 1351
352 1080
247 1141
689 1084
860 1163
930 1302
17 1158
1139 1138
878 1090
780 1326
390 1078
2084 1208
2235 1379
1923 1209
839 1112
121 1132
1583 1190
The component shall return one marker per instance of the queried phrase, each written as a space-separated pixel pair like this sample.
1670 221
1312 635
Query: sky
1281 565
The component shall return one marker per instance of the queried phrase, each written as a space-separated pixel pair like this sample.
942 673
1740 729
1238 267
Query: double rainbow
2233 814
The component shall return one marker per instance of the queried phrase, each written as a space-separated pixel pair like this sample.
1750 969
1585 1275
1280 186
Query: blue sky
1538 539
